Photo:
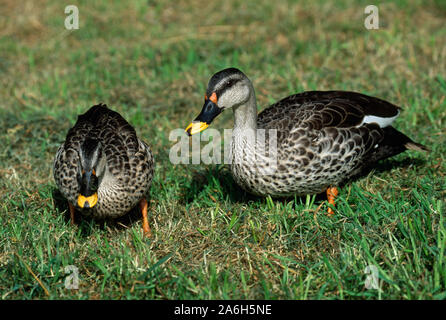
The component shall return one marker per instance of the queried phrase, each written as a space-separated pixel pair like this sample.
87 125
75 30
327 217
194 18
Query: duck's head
90 167
226 89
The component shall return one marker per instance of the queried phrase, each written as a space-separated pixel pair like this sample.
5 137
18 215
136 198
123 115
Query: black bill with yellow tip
88 196
208 113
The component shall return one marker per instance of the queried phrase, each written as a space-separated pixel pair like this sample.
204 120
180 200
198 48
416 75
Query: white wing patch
381 121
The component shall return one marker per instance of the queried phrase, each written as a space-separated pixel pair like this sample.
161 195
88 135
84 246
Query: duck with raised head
321 138
103 169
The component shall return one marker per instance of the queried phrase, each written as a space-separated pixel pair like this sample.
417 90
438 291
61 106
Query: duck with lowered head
103 169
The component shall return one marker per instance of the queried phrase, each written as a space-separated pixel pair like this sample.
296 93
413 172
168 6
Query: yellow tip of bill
196 127
87 202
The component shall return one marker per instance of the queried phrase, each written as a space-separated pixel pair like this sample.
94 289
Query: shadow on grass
87 224
202 180
390 164
206 178
387 165
214 177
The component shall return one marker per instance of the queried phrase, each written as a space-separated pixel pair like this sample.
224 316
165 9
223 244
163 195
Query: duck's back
321 109
117 136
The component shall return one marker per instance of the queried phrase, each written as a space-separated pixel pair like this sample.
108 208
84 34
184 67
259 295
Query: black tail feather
393 137
393 143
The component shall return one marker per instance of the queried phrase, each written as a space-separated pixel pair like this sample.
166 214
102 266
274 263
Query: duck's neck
244 132
245 115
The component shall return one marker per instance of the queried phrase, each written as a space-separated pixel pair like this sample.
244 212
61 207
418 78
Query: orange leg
145 221
332 192
72 209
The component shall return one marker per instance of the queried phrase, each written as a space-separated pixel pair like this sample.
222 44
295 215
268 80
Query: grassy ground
151 60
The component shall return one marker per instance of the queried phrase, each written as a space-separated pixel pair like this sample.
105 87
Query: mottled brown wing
322 109
118 137
332 122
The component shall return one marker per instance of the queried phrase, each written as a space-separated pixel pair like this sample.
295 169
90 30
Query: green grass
151 60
